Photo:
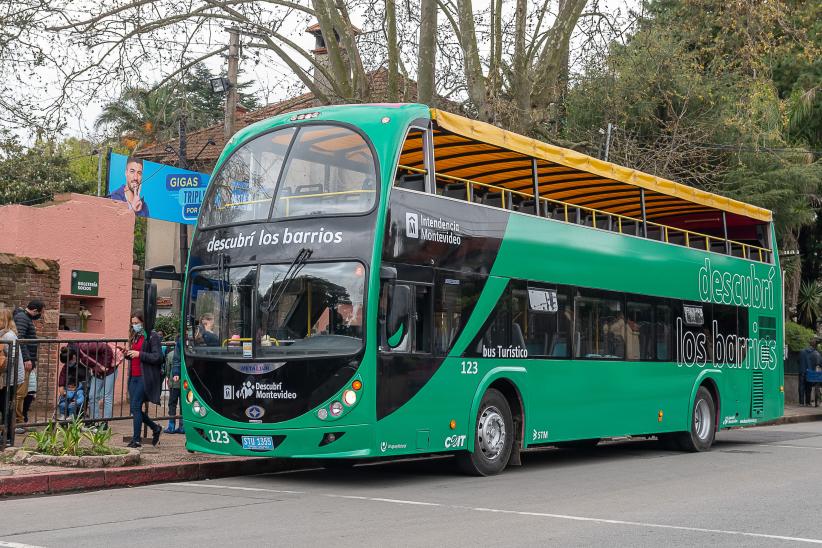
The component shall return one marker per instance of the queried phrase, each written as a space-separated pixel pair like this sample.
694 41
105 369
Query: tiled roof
198 140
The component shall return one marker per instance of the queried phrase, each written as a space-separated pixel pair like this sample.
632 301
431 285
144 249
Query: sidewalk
171 462
167 462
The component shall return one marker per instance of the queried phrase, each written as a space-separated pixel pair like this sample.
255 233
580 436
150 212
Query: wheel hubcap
491 433
702 420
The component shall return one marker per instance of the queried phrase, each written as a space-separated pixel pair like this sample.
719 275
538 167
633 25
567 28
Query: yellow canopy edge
487 133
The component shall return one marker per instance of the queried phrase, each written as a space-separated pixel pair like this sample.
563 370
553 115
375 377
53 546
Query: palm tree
140 116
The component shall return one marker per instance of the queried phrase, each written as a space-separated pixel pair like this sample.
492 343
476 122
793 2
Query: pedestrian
101 361
24 319
9 334
807 362
172 372
145 381
30 396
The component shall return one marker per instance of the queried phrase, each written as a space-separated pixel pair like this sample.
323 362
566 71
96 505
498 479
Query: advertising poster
156 190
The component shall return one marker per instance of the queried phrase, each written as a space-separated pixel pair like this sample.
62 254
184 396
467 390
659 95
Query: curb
106 478
793 419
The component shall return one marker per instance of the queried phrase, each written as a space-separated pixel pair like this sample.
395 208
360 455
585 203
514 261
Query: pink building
92 240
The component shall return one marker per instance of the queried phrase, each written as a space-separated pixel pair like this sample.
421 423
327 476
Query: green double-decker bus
373 281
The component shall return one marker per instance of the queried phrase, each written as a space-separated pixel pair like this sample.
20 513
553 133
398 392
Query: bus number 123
469 367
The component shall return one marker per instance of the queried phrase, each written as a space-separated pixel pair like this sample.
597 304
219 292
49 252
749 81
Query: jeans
173 398
73 399
136 397
20 396
101 389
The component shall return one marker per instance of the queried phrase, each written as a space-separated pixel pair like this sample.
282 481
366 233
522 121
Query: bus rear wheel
701 435
493 437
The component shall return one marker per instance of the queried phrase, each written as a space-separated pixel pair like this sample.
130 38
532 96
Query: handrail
665 230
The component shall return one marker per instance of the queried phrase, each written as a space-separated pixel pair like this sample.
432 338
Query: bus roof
568 175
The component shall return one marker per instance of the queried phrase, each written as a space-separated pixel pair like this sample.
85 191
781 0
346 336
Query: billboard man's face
134 176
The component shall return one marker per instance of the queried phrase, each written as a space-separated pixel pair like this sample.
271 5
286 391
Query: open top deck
481 163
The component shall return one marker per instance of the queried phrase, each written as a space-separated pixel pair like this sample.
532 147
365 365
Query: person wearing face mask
24 319
145 380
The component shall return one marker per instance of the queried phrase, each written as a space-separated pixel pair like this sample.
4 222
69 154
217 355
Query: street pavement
757 487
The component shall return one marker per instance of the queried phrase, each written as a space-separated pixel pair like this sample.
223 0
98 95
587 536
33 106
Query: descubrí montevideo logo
265 237
432 229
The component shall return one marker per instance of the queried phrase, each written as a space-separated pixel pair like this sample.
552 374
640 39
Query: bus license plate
258 443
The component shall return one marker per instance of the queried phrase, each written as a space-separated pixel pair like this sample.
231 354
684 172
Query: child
73 399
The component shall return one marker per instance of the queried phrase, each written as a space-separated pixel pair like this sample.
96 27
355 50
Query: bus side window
415 335
599 326
548 325
454 301
662 332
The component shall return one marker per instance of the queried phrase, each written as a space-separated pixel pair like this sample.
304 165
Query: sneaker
134 444
61 417
19 430
170 428
155 437
180 430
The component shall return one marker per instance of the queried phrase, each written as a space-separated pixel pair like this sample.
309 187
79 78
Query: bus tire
493 437
701 435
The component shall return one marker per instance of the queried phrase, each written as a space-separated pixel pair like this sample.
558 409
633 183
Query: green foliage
140 225
57 439
797 336
33 174
99 440
142 116
169 325
809 302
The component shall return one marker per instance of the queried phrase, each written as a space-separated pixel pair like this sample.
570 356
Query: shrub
797 337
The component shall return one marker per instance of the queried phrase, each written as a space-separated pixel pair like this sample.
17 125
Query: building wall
21 278
80 233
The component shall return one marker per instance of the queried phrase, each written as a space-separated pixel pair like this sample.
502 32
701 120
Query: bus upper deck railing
603 220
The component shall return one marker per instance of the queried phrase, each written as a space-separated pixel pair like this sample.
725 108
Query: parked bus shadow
391 472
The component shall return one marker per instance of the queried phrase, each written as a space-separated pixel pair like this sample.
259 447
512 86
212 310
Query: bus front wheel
493 437
701 435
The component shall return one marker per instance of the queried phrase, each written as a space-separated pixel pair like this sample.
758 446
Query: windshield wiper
293 271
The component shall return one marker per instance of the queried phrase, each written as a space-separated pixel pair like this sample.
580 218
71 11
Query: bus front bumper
338 441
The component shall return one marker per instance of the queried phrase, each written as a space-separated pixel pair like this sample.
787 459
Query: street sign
85 283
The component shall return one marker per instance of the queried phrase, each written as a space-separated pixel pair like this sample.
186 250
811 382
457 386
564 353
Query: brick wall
137 288
21 280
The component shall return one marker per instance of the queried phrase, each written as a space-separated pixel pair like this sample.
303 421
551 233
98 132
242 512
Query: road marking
511 512
790 446
233 487
587 519
5 544
394 501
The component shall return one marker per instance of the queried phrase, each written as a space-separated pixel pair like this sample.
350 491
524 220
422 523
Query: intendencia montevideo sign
85 283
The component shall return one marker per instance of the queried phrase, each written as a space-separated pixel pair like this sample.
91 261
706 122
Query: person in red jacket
145 379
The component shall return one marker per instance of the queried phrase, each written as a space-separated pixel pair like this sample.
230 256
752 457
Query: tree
34 174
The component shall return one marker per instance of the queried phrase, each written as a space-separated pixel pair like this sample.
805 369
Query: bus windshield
301 310
311 170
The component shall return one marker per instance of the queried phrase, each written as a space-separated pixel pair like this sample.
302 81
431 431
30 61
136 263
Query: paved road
758 487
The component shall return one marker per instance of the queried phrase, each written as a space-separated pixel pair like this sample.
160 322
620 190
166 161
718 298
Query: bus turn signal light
189 396
185 385
356 385
453 424
659 416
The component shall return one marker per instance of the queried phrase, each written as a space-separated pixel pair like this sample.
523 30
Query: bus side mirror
399 306
150 306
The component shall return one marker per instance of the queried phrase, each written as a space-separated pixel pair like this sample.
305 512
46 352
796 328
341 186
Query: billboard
156 190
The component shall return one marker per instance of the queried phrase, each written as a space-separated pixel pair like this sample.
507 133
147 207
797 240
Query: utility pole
233 68
182 162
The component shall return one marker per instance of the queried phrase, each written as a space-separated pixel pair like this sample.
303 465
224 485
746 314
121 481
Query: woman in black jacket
145 380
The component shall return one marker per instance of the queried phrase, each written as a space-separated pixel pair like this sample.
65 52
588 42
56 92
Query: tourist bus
371 281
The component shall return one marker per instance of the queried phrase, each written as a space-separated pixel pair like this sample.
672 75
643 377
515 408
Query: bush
58 439
797 337
169 325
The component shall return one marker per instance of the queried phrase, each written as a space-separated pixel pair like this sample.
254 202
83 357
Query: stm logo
412 225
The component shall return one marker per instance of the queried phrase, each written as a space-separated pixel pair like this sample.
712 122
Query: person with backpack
101 361
145 381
